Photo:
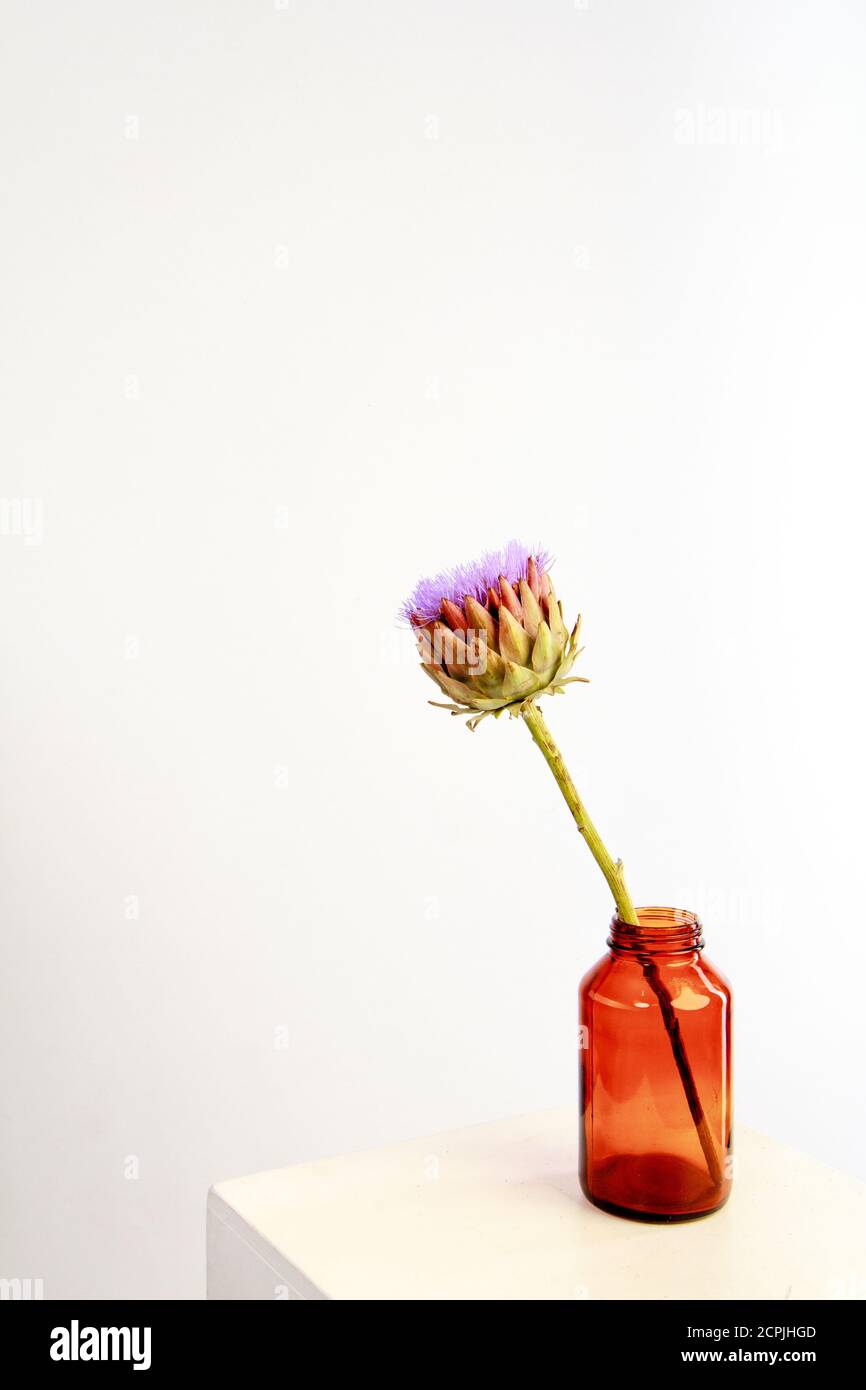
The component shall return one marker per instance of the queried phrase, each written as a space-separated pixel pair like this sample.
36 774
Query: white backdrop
300 301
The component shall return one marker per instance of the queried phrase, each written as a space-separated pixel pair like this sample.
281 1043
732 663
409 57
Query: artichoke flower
492 634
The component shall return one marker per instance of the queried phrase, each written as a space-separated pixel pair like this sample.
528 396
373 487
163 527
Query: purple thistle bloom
475 578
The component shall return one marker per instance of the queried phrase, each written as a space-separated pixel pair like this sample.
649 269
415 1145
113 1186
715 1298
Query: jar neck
662 931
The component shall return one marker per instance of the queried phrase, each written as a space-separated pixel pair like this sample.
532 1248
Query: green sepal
489 682
532 614
554 617
514 643
518 683
545 652
459 691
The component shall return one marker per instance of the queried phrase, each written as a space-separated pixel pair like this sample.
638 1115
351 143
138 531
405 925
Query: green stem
611 869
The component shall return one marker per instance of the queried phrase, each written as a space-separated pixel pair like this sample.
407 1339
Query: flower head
491 633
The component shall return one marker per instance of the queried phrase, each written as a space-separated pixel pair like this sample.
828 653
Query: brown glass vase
655 1069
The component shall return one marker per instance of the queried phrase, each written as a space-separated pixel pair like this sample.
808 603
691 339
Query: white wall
299 302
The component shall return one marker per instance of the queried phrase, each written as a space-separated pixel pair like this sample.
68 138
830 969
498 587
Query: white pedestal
495 1212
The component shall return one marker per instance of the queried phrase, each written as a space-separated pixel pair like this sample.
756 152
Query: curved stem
611 869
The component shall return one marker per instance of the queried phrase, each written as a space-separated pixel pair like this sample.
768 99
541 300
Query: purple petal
474 578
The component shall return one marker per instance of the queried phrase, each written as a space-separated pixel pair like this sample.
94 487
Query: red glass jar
655 1072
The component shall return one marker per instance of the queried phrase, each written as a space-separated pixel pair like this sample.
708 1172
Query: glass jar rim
659 930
